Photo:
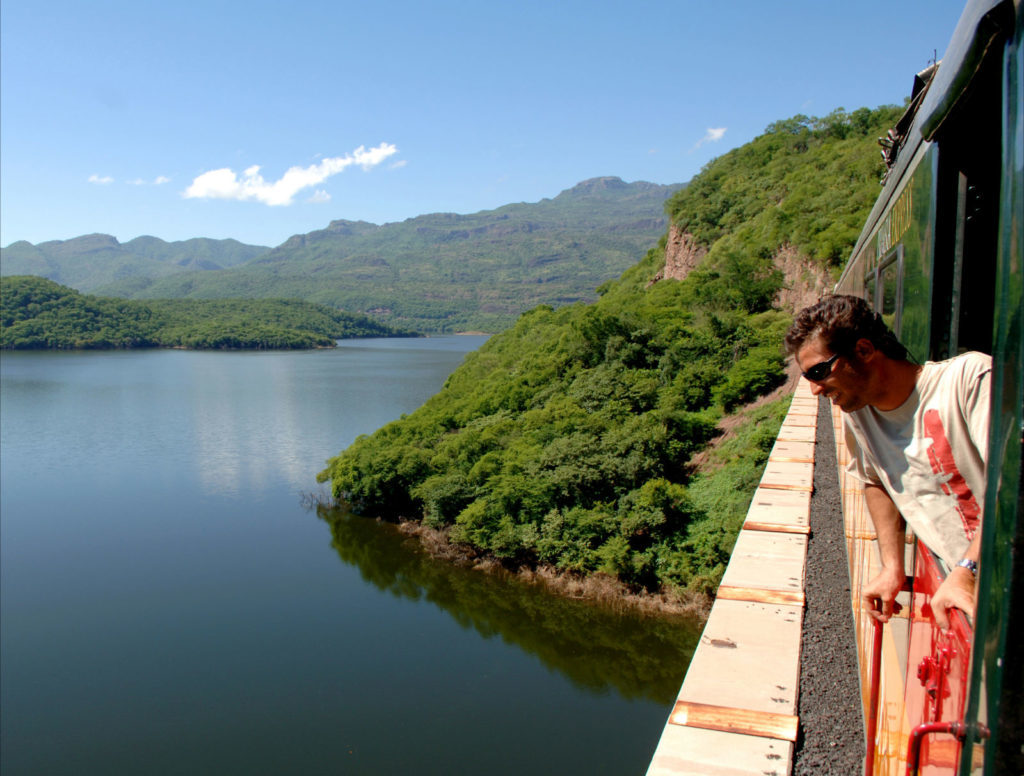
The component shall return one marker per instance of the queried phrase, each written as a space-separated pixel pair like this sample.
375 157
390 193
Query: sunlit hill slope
568 442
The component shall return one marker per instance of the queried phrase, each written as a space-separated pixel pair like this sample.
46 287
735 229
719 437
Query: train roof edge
980 25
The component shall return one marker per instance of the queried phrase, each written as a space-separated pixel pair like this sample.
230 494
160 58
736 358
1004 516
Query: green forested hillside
94 260
446 272
567 440
36 313
806 182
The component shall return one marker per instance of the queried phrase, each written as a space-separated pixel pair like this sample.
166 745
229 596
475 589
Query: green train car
940 259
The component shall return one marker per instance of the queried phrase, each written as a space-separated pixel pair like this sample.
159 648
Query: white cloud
100 180
225 183
713 135
157 181
399 164
319 196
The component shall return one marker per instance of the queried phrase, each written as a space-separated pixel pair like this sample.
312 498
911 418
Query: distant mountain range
95 260
435 273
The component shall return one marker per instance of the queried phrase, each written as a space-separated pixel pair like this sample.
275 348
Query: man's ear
865 349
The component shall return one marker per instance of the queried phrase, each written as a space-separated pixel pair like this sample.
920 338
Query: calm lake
169 606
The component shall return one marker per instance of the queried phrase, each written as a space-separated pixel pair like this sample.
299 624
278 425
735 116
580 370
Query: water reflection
596 648
236 448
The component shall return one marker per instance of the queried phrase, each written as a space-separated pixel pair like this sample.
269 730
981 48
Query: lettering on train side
896 222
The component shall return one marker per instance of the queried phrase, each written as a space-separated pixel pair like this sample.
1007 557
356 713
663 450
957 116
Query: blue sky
260 120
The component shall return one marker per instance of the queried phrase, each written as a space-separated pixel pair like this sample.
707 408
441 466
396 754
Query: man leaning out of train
917 438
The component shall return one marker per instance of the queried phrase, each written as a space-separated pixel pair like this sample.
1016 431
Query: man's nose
816 388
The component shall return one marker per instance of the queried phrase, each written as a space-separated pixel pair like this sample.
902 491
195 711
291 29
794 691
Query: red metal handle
957 729
876 681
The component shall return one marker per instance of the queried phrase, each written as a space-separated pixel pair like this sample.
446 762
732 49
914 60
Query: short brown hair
840 321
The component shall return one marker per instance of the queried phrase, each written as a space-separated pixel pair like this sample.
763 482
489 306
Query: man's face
846 385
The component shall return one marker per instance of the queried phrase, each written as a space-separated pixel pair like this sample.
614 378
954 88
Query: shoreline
597 588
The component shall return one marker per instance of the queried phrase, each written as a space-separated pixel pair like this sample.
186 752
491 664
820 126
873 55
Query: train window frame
871 288
875 280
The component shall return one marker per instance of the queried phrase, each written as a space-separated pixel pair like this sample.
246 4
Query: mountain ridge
90 261
437 272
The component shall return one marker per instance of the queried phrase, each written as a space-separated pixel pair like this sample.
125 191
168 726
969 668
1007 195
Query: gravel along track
831 739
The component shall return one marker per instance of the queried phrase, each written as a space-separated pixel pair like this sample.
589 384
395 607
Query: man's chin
846 403
851 405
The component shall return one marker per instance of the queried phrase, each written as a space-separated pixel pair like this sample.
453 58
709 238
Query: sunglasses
821 370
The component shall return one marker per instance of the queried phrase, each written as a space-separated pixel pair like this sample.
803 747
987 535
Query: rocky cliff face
682 253
803 284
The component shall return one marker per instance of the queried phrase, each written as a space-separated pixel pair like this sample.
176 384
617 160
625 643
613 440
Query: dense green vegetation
445 272
88 262
806 182
567 440
37 313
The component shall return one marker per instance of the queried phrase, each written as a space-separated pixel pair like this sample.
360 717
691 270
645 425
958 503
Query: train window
869 290
967 197
890 299
883 288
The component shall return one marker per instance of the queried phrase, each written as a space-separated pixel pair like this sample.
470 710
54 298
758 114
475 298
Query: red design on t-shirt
940 454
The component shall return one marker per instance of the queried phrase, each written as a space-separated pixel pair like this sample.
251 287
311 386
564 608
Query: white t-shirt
930 452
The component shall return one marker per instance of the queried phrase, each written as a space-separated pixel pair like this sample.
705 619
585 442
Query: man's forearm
881 591
890 528
957 590
973 551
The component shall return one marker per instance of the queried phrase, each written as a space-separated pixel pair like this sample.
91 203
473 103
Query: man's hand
880 594
955 592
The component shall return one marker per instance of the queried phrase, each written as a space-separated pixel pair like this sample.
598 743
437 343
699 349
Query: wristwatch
970 565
